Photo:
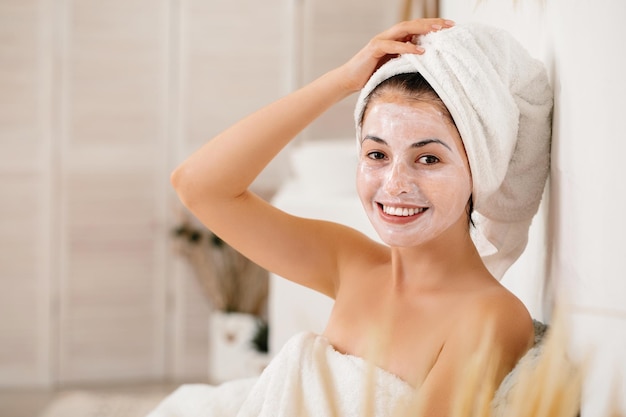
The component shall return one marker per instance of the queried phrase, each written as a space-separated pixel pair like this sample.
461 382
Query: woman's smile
400 214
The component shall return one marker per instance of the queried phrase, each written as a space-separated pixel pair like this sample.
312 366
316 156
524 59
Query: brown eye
376 155
428 160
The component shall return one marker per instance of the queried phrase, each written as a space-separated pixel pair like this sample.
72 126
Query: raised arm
213 183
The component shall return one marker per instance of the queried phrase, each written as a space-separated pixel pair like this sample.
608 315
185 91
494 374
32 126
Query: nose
399 181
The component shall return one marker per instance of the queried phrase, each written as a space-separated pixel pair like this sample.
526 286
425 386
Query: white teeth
404 212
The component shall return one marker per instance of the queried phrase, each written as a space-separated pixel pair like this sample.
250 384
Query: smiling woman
418 307
412 164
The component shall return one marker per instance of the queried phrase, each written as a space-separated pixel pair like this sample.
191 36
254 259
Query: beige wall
578 245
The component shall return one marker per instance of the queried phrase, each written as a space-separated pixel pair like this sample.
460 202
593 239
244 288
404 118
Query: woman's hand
399 39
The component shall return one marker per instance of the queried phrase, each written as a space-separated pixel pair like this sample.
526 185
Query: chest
402 335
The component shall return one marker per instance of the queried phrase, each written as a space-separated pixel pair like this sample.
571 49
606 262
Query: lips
399 211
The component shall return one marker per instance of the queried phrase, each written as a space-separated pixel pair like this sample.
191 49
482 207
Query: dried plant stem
230 281
552 385
475 391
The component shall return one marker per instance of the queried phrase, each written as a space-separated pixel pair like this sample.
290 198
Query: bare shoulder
497 302
490 322
498 314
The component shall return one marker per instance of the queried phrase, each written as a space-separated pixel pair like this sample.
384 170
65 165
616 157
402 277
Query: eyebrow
413 145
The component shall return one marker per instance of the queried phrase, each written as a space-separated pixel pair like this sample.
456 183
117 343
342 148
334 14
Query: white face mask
413 177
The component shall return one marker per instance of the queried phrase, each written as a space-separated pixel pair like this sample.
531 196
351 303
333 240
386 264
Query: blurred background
100 100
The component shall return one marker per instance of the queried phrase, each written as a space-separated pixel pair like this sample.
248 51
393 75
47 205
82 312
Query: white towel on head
501 101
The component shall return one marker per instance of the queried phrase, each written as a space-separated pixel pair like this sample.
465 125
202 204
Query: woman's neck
446 262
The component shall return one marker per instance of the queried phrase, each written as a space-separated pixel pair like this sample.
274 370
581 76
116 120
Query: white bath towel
307 378
501 102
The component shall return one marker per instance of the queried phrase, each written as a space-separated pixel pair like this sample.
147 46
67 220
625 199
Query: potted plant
237 290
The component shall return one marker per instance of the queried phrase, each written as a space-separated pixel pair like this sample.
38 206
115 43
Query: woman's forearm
225 166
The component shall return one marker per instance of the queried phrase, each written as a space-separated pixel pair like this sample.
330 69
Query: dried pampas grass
476 390
230 281
551 385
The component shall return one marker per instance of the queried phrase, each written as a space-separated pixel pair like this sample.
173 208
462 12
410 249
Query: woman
418 305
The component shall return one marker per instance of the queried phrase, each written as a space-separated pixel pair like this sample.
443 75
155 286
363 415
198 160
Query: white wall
581 42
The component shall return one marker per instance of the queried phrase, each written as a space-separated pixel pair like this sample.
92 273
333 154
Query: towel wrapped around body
308 377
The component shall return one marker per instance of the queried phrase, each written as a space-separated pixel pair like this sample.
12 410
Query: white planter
231 352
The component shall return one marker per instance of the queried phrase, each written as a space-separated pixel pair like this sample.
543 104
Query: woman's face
413 177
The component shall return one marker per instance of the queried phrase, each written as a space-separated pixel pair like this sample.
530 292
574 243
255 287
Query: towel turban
501 102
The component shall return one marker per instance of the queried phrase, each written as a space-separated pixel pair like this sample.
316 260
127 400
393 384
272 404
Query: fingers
397 40
389 47
405 31
402 37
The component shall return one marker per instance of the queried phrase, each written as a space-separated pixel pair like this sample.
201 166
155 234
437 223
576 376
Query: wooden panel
20 271
190 353
112 324
23 327
19 58
115 67
233 62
